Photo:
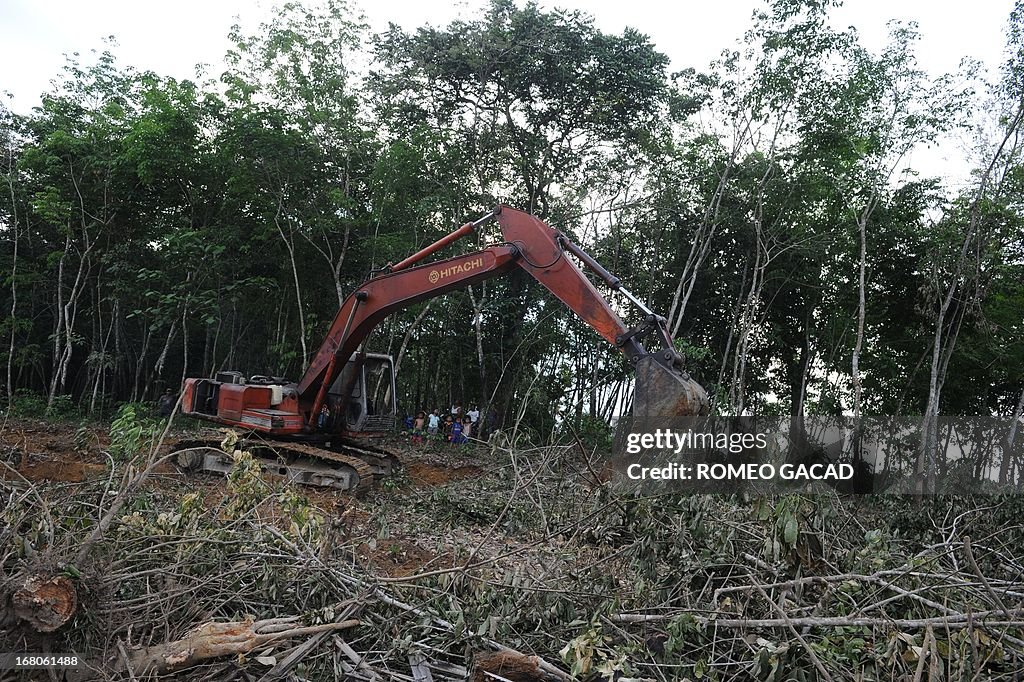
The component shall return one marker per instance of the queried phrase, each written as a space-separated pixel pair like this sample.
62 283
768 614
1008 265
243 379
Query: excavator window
350 378
379 382
205 396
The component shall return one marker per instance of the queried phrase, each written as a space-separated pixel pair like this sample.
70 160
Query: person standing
473 414
433 422
492 421
417 429
165 405
456 434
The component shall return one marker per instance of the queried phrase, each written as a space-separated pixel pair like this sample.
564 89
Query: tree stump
45 603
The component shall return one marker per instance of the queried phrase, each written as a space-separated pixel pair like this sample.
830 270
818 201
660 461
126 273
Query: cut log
45 603
213 640
506 665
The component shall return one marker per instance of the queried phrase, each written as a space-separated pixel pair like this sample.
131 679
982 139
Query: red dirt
397 557
58 470
41 451
423 474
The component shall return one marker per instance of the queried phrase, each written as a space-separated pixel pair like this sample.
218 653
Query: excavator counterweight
346 395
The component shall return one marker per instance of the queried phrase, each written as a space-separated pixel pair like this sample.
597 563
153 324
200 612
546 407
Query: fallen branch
793 631
129 487
956 621
981 576
545 667
213 640
282 667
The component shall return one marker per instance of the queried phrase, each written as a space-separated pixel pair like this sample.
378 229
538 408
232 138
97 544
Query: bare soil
424 474
43 451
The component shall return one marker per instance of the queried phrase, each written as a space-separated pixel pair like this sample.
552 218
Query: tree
520 105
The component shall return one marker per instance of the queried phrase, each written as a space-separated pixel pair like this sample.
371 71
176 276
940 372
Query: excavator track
296 462
384 461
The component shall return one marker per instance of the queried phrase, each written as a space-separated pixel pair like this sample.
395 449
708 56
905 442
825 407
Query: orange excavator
322 430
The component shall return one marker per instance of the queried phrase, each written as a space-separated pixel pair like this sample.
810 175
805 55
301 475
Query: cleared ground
519 562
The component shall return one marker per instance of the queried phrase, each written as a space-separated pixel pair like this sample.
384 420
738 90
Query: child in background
457 438
448 422
417 429
467 428
433 423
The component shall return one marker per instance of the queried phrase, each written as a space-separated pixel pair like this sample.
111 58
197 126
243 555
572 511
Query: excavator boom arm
380 296
528 244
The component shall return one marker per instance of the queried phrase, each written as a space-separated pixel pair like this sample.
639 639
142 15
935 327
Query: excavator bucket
663 392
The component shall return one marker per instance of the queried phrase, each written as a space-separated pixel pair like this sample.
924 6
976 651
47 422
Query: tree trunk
861 307
140 362
855 377
158 369
58 326
925 466
67 314
748 319
101 370
800 446
184 345
702 242
478 306
216 640
45 603
1010 441
408 335
298 291
14 273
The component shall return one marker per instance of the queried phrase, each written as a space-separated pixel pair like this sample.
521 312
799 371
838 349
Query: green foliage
27 403
303 518
133 431
589 653
395 482
595 434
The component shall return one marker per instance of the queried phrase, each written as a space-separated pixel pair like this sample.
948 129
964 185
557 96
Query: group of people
455 427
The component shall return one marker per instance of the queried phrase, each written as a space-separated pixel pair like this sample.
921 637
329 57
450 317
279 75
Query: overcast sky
170 38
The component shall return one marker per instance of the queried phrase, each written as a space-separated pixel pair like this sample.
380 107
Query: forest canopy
155 229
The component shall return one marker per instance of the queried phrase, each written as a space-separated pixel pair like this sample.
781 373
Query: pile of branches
543 571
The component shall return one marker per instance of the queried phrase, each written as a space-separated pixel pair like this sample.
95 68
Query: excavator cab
362 398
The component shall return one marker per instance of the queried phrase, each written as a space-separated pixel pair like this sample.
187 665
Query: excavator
324 429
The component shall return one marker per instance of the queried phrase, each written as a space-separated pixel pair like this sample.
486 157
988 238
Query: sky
170 38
